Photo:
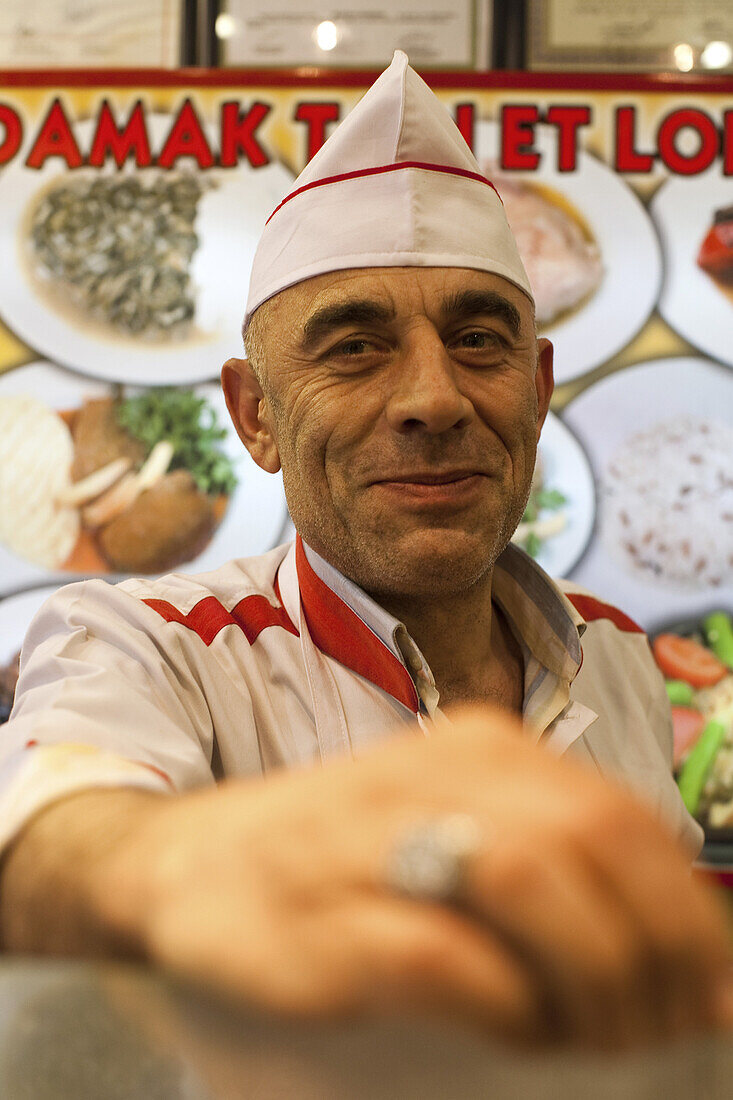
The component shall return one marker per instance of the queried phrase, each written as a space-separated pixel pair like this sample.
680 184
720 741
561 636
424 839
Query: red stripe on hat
592 609
380 170
339 632
251 615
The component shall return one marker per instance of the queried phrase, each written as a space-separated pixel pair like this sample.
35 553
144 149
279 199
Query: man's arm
578 920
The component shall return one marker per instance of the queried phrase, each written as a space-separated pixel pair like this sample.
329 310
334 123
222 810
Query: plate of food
16 613
100 479
589 248
694 216
696 660
558 520
134 275
660 442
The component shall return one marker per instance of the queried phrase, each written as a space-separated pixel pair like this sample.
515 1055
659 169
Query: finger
678 921
573 935
425 957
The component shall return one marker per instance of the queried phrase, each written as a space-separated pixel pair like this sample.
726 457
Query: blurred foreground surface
112 1032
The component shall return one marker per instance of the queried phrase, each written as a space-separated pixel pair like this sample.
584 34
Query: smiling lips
450 487
446 478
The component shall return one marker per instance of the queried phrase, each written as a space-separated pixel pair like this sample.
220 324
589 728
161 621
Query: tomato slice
684 659
687 725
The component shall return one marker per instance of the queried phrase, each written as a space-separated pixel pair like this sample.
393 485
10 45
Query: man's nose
425 394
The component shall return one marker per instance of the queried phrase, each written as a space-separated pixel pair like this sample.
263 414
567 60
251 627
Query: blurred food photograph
105 479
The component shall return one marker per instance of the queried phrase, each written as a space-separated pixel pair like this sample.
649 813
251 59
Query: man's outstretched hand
578 920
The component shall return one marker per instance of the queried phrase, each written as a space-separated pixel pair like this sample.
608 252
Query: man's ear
544 380
248 409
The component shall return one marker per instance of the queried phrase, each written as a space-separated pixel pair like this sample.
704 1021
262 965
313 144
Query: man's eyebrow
355 312
471 303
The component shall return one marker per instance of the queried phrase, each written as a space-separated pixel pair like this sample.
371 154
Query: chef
474 862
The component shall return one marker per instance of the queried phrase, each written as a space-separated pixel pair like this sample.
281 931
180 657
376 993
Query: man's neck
468 644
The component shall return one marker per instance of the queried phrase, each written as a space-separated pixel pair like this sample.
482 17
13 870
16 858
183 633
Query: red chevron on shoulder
592 609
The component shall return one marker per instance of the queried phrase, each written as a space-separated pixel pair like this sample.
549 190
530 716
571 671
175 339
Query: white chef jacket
280 661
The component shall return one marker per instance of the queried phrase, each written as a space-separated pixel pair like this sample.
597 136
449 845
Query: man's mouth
430 489
446 477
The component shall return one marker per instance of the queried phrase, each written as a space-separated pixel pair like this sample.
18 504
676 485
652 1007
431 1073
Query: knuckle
423 956
511 873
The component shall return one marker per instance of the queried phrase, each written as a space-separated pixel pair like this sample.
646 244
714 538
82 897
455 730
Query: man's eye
481 341
353 347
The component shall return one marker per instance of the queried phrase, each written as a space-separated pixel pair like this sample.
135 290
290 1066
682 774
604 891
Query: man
394 375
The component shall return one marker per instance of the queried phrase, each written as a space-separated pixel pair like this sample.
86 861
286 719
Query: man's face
404 405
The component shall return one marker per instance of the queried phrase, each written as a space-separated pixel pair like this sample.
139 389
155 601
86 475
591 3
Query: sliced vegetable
687 725
91 486
679 692
718 630
122 495
684 659
698 764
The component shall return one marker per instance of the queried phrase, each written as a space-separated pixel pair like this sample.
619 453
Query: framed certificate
658 35
50 34
354 33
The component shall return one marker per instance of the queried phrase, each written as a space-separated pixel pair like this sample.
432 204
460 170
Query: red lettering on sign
55 139
186 139
13 127
238 134
626 158
464 117
683 164
131 139
517 136
316 116
568 121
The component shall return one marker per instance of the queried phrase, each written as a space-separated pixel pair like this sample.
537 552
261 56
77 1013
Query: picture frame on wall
355 34
62 34
658 36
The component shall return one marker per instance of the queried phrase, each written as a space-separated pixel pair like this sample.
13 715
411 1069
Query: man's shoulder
228 584
139 603
593 609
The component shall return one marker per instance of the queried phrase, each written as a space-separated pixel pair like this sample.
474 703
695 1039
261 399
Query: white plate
256 513
566 468
603 417
229 221
691 302
630 254
16 614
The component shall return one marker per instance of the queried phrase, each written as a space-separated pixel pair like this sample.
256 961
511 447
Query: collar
348 625
542 616
338 630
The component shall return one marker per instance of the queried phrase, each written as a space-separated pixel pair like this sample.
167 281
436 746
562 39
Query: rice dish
667 503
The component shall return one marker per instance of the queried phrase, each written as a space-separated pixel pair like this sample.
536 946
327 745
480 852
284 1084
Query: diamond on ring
429 860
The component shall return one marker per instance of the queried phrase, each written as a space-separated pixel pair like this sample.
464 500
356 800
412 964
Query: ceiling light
326 35
684 58
717 55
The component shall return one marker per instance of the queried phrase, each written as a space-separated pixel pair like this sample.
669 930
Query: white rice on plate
667 503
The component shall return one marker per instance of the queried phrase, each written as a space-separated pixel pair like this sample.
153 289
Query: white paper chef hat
395 185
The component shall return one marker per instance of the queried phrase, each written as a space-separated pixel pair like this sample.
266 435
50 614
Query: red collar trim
339 633
592 609
379 170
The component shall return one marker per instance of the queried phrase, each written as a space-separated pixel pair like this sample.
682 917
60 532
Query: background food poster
129 215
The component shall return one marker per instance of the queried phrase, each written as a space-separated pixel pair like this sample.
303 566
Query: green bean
719 636
695 769
679 692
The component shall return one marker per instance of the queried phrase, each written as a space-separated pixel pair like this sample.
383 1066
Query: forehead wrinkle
472 303
357 311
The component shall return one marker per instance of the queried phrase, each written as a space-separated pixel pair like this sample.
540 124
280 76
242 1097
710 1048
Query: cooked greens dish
120 248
